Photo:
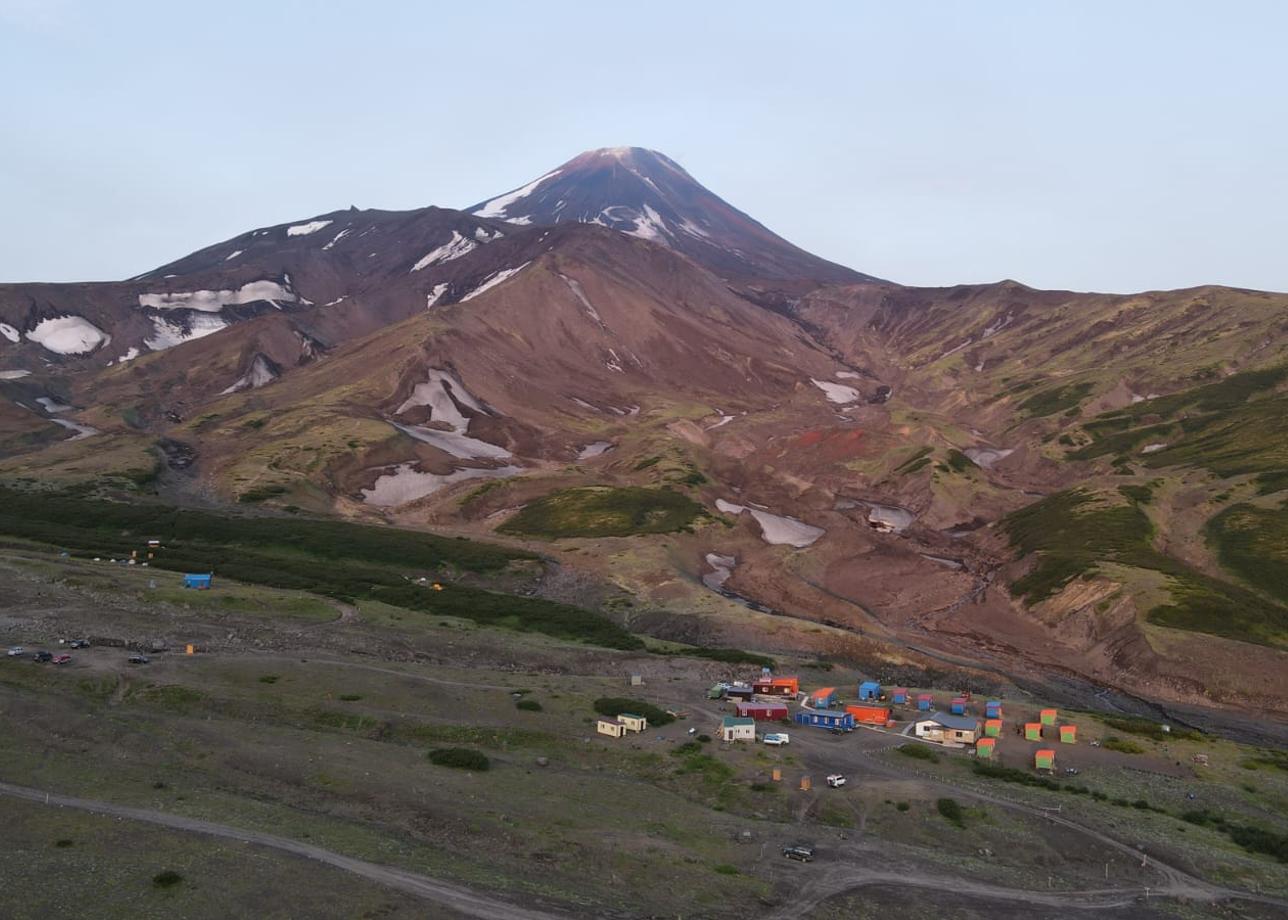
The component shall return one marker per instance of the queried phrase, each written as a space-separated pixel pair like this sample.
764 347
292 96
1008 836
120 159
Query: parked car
799 851
1072 771
15 651
62 659
777 738
42 656
78 643
139 659
836 780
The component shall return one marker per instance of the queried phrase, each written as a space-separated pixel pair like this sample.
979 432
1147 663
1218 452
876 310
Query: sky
1089 146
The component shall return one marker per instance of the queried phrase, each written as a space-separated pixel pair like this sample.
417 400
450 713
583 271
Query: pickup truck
62 659
777 738
15 651
836 780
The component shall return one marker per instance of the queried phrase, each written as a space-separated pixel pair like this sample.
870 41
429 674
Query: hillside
700 425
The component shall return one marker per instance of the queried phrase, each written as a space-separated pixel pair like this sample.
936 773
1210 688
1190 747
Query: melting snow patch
493 280
9 332
836 392
335 239
437 393
405 484
785 531
435 295
67 335
721 568
454 248
998 325
649 226
724 420
461 446
497 206
888 519
848 375
129 355
594 450
234 254
312 226
214 301
51 406
987 456
1152 448
585 405
168 334
729 507
575 286
261 373
82 431
14 375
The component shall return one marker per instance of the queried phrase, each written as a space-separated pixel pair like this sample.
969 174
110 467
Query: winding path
459 899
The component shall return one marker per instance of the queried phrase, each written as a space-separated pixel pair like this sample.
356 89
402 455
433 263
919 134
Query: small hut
1068 734
1044 759
869 690
993 709
733 728
1048 716
611 726
633 722
1032 731
824 698
924 702
957 706
899 695
993 728
984 748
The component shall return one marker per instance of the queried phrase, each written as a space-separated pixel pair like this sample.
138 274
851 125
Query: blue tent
869 690
200 582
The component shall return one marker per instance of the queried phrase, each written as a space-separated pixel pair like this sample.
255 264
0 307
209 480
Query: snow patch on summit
497 206
312 226
9 332
454 248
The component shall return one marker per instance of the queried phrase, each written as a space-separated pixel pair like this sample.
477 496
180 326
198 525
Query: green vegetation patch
1070 533
1251 838
331 558
616 705
1253 544
1235 426
727 655
917 752
460 759
952 811
1056 399
1146 728
605 511
959 462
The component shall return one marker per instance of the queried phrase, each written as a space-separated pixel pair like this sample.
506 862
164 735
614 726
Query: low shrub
918 752
167 879
951 809
616 705
528 705
460 759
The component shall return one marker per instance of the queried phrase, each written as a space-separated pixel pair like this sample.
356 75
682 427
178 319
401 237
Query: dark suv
42 656
800 851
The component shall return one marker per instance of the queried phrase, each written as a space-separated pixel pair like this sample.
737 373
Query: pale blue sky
1108 146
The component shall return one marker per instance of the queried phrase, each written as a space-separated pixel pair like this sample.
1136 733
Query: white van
776 738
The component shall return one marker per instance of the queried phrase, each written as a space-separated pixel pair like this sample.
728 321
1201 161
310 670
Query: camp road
836 880
461 900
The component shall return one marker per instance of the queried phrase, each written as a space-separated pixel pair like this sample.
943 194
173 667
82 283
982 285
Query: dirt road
459 899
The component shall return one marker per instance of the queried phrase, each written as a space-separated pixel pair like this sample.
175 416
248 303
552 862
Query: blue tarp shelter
200 582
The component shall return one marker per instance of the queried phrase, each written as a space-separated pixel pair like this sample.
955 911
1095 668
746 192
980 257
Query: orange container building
777 686
869 715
